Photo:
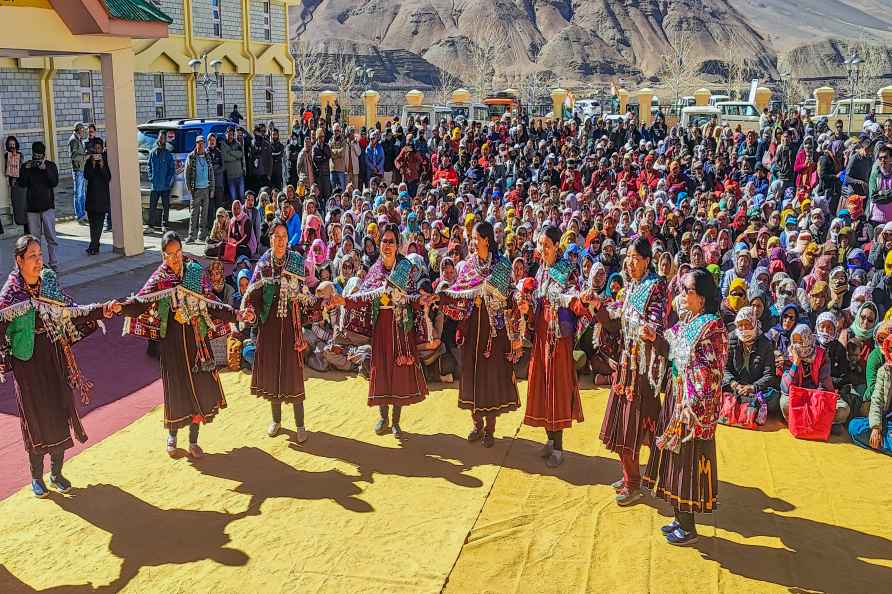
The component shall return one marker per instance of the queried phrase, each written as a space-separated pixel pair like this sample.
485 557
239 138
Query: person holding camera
97 176
39 177
880 187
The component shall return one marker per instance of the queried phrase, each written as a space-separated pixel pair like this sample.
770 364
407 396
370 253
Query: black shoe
488 440
680 538
381 427
60 483
669 528
475 435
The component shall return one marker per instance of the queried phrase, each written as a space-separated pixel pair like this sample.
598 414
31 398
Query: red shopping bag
811 413
229 252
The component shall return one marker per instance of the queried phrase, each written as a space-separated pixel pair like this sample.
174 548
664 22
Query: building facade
42 98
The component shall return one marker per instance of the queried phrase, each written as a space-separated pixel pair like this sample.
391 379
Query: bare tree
309 67
533 88
681 66
486 48
446 83
874 65
736 57
791 89
342 67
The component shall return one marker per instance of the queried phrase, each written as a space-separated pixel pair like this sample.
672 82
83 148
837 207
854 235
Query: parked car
738 112
698 115
181 135
435 114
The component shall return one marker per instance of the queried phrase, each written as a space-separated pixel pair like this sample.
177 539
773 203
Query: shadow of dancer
10 584
263 477
143 535
815 556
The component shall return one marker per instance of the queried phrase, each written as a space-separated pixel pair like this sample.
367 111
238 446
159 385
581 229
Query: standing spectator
339 149
374 156
784 160
200 183
12 170
262 157
321 157
97 177
859 167
235 117
880 188
390 154
408 162
162 174
78 153
233 166
218 196
277 149
40 177
354 158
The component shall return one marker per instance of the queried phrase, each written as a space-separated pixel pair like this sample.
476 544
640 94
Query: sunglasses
789 317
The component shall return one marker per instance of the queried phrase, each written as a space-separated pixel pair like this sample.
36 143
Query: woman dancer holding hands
278 302
387 309
482 298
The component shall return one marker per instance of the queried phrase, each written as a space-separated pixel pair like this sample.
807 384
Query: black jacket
40 184
97 178
760 373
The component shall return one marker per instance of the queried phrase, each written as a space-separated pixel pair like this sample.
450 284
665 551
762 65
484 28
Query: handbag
748 412
811 413
229 251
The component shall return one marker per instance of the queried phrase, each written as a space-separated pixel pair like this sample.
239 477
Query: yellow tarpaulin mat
793 516
349 511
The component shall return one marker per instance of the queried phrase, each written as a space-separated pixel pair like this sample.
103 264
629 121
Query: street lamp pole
853 68
206 79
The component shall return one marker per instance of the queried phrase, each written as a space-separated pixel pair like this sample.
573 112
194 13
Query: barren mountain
581 40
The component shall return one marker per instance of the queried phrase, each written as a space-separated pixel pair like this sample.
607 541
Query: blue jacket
162 169
374 157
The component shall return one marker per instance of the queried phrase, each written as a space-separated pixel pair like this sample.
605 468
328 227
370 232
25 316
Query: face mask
746 336
825 338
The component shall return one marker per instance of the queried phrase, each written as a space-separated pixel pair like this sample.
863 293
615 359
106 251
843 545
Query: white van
739 112
718 99
698 115
843 107
434 113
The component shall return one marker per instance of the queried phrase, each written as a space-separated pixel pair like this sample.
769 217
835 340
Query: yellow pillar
370 101
558 96
623 96
461 96
644 97
885 95
290 92
48 108
414 98
701 97
248 53
763 97
120 122
824 100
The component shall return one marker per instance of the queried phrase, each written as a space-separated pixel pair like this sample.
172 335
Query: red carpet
127 386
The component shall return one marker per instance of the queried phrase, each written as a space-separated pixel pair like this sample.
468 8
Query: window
749 110
216 18
221 96
86 85
267 26
270 96
158 84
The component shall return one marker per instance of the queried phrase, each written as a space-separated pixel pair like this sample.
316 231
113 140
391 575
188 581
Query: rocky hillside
576 40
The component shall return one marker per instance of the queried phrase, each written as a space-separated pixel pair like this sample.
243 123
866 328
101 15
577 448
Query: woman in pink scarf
240 230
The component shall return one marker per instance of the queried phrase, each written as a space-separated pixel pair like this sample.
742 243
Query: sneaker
171 447
302 435
555 459
627 497
475 434
60 483
39 488
618 485
488 440
397 432
546 450
195 451
273 429
670 527
381 426
680 538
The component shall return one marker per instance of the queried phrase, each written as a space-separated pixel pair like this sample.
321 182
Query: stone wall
173 9
230 19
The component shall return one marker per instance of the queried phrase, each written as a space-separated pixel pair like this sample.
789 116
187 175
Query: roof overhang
90 17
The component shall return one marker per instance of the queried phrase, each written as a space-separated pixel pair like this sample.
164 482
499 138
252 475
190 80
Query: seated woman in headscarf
785 293
217 238
876 359
873 430
780 334
750 367
815 302
827 333
809 367
858 339
734 302
760 301
219 287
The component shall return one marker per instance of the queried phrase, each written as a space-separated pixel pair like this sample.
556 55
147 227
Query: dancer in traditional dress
683 468
634 404
387 308
177 308
553 400
482 298
40 324
277 301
